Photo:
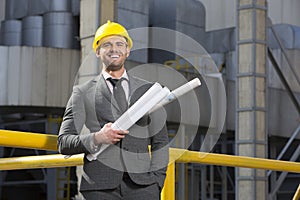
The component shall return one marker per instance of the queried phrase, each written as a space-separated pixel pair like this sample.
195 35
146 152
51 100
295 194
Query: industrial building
245 52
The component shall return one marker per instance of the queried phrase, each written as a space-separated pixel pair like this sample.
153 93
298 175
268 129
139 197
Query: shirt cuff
88 142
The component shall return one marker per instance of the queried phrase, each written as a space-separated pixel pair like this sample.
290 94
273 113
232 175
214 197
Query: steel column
251 108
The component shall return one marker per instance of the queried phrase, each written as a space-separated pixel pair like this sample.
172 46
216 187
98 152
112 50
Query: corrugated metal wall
37 76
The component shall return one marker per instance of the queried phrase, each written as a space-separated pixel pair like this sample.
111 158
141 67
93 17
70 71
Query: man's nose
113 47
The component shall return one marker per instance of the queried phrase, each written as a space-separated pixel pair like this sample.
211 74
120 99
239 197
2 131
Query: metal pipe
29 140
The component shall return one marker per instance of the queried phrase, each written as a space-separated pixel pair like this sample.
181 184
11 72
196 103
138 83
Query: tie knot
113 81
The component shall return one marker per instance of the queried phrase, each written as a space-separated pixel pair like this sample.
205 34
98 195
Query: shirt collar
107 75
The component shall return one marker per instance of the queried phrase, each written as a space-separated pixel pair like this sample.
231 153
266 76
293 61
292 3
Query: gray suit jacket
90 106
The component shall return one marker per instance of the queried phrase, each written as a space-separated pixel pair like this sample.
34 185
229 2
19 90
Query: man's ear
98 52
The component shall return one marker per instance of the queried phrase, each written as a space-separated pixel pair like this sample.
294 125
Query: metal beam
283 175
287 145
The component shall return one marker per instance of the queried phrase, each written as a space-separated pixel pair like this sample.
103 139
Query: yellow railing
297 194
28 140
49 142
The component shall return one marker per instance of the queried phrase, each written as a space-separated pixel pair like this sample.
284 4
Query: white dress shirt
125 84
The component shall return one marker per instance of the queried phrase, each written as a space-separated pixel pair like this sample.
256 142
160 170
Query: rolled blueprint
145 103
178 92
153 99
153 96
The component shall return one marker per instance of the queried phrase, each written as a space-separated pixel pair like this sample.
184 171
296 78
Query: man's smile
114 56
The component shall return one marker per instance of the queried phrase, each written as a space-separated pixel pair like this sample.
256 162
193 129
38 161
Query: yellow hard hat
108 29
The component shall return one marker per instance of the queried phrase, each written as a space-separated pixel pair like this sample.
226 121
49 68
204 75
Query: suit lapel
102 88
103 103
133 86
106 109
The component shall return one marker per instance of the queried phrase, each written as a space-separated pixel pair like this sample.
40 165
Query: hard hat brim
97 40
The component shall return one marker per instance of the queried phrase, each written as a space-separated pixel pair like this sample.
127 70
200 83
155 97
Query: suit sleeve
70 141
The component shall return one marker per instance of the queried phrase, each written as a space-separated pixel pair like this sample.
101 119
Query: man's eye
120 44
105 45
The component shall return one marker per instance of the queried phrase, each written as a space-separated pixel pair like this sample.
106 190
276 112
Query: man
125 169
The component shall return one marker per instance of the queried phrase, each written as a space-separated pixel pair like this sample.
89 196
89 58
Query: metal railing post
297 194
168 192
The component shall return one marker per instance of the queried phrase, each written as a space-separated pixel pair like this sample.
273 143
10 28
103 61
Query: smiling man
113 52
125 170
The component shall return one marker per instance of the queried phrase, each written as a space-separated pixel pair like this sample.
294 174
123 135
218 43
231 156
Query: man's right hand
107 135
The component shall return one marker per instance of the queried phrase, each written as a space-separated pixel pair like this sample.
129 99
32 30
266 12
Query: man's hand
107 135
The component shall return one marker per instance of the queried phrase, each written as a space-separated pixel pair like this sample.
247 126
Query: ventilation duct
58 29
38 7
32 31
16 9
60 5
11 32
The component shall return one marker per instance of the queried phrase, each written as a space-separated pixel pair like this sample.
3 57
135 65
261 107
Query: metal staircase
63 183
282 182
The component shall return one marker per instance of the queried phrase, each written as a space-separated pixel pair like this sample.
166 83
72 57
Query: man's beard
114 67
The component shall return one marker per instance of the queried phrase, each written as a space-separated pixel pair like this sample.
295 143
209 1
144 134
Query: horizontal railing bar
180 155
18 139
49 142
42 161
186 156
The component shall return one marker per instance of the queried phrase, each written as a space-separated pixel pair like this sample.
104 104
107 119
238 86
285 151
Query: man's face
113 51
